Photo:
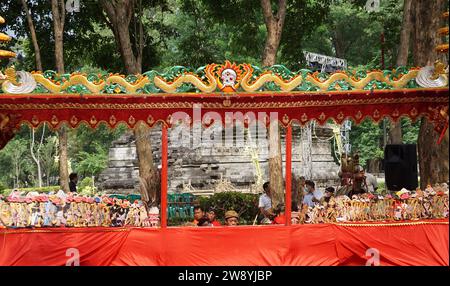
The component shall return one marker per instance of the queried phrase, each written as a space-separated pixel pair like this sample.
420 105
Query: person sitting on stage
212 217
265 205
329 192
204 221
364 183
73 177
371 181
310 198
231 218
198 214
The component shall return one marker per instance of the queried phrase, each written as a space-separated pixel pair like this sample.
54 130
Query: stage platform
397 243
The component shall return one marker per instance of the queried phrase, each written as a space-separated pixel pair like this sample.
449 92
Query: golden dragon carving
213 81
189 78
323 85
97 87
91 86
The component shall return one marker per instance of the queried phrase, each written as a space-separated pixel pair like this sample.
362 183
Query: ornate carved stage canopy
227 89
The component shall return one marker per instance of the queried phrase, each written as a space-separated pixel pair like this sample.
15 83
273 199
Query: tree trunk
63 158
37 50
338 45
118 19
274 25
395 134
119 15
405 34
35 159
275 165
58 13
433 158
149 175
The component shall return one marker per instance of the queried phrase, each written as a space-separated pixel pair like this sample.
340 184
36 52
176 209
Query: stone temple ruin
203 169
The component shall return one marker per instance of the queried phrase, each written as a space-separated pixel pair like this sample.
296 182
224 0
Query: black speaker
400 167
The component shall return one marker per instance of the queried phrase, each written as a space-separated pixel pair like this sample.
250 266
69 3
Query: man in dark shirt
73 182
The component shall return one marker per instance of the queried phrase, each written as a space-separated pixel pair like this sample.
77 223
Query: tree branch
281 14
110 11
267 12
129 8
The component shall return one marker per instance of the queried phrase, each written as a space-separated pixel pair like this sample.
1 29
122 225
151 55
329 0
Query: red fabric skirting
422 243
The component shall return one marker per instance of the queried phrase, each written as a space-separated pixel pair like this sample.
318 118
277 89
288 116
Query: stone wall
202 166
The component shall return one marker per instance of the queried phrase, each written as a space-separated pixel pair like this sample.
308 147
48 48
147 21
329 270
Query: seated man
212 217
310 198
371 182
231 218
364 183
198 214
329 192
73 180
204 221
265 205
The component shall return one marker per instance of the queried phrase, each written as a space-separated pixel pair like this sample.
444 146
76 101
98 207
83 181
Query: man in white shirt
310 198
265 205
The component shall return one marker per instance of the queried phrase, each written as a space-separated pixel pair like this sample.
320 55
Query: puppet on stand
353 181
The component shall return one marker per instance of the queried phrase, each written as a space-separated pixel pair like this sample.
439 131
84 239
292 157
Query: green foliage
89 148
246 205
15 162
87 187
410 131
381 188
2 187
92 163
88 154
366 139
179 221
304 29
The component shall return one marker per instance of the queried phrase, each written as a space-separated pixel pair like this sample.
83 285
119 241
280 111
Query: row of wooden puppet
71 210
432 203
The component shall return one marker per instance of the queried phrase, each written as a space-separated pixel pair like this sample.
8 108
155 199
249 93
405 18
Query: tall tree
36 154
395 134
59 16
274 25
405 34
58 13
433 158
37 50
119 14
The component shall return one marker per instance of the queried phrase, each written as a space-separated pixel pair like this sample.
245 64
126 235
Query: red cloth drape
324 244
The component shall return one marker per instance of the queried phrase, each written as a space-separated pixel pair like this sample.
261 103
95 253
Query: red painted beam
288 194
